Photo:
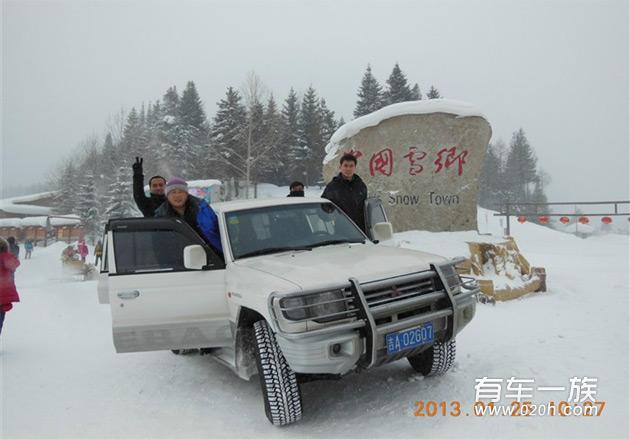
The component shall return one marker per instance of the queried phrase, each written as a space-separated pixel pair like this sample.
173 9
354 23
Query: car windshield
276 229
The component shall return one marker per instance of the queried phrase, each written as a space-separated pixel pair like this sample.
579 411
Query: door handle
126 295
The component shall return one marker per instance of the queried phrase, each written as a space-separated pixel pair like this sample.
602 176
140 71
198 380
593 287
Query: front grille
377 294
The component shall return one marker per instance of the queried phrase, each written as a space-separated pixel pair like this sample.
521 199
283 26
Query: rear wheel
436 360
281 392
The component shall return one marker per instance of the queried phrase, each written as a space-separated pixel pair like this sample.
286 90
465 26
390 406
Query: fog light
336 348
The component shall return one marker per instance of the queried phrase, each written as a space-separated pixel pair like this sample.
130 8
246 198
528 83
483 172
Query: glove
137 166
6 307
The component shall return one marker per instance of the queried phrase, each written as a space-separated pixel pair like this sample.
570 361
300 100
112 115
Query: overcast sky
556 68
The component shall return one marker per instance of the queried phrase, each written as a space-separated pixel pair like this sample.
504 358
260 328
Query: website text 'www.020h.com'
515 408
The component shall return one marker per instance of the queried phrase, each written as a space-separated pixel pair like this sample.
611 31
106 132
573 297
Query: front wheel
436 360
281 392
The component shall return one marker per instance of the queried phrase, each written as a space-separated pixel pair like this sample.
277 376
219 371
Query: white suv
301 293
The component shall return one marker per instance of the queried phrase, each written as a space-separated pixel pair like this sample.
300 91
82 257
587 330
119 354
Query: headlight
321 307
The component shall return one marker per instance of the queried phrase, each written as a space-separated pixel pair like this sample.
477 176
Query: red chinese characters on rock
450 159
414 156
382 162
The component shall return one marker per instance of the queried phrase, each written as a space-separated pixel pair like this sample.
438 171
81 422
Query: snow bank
449 106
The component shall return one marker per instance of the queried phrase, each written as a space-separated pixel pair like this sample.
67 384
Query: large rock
422 158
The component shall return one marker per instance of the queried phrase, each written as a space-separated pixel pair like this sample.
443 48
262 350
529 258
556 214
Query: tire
281 391
436 360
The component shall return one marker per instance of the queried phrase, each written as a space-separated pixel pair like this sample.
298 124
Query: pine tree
152 161
108 158
169 153
397 87
272 166
227 136
193 133
119 202
290 135
416 95
433 93
520 168
132 141
87 206
370 95
68 184
490 180
310 152
329 124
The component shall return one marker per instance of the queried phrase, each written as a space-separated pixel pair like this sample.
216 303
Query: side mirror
382 231
195 257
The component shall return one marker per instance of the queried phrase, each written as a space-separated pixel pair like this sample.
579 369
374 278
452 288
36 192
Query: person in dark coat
195 211
8 293
147 205
14 248
348 191
98 252
296 189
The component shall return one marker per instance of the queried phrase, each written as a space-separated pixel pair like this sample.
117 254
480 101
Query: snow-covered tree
490 180
272 168
416 95
371 97
119 196
433 93
520 168
87 206
227 136
192 133
307 158
170 154
290 134
68 185
133 142
397 87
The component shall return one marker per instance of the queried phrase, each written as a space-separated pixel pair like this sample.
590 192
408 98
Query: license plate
409 338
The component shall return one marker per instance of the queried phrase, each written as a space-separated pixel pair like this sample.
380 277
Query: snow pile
449 106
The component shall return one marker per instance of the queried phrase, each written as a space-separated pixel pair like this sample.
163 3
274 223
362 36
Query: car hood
335 264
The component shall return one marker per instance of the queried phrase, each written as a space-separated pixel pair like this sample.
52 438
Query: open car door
156 302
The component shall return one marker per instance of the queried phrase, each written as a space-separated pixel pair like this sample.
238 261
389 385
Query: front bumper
360 343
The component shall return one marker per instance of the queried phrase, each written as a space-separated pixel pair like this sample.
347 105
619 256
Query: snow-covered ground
62 379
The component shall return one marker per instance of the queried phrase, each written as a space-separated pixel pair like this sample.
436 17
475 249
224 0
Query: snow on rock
449 106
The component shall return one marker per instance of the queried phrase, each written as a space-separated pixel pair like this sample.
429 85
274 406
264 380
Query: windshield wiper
268 250
337 241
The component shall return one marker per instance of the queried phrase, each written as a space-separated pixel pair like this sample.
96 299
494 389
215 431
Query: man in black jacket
348 191
147 205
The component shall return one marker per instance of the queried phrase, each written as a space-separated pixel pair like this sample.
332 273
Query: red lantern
565 220
607 220
522 219
543 219
583 220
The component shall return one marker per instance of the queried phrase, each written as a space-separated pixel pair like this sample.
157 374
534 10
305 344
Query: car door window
145 251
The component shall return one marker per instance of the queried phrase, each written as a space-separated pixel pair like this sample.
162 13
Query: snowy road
61 377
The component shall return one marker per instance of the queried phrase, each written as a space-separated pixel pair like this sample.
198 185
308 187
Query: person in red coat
8 294
83 250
